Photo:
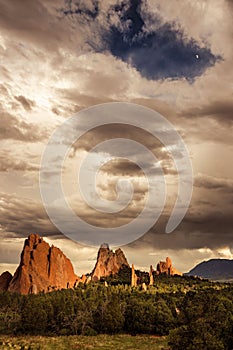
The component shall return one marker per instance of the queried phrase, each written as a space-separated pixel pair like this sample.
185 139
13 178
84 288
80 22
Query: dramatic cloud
174 57
122 167
8 162
214 183
157 50
20 216
222 111
18 129
36 24
212 231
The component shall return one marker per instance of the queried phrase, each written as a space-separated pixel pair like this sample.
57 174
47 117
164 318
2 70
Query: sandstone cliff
165 267
108 262
42 268
5 279
134 278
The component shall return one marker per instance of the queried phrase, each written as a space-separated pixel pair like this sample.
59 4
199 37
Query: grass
99 342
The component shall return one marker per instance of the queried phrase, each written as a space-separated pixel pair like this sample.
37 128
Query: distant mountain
214 269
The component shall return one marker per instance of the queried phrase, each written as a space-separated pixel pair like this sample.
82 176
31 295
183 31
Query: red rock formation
151 275
5 279
42 268
174 271
167 268
83 278
134 278
108 262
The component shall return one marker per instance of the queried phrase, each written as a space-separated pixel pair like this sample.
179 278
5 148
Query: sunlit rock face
108 262
42 268
165 267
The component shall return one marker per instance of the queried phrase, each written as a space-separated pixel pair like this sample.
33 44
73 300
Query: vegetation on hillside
194 313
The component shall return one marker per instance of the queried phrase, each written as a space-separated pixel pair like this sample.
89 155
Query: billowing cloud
198 230
20 216
18 129
60 57
8 162
210 182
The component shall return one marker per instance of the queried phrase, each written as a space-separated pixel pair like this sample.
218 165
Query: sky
58 58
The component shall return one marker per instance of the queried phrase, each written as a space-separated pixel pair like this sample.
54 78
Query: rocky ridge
44 268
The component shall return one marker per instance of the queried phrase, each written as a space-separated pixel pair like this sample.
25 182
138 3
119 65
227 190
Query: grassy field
99 342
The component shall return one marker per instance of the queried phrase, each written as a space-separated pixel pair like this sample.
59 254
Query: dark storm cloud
157 50
130 132
21 216
123 166
222 111
20 130
159 54
197 230
81 8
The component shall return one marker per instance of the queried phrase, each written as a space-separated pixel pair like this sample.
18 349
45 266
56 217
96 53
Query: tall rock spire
108 262
151 276
42 268
134 277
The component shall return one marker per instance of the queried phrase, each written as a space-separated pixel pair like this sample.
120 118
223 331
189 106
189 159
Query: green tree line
194 313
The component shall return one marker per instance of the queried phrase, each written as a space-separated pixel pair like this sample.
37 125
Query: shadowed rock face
167 268
108 262
5 279
42 268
